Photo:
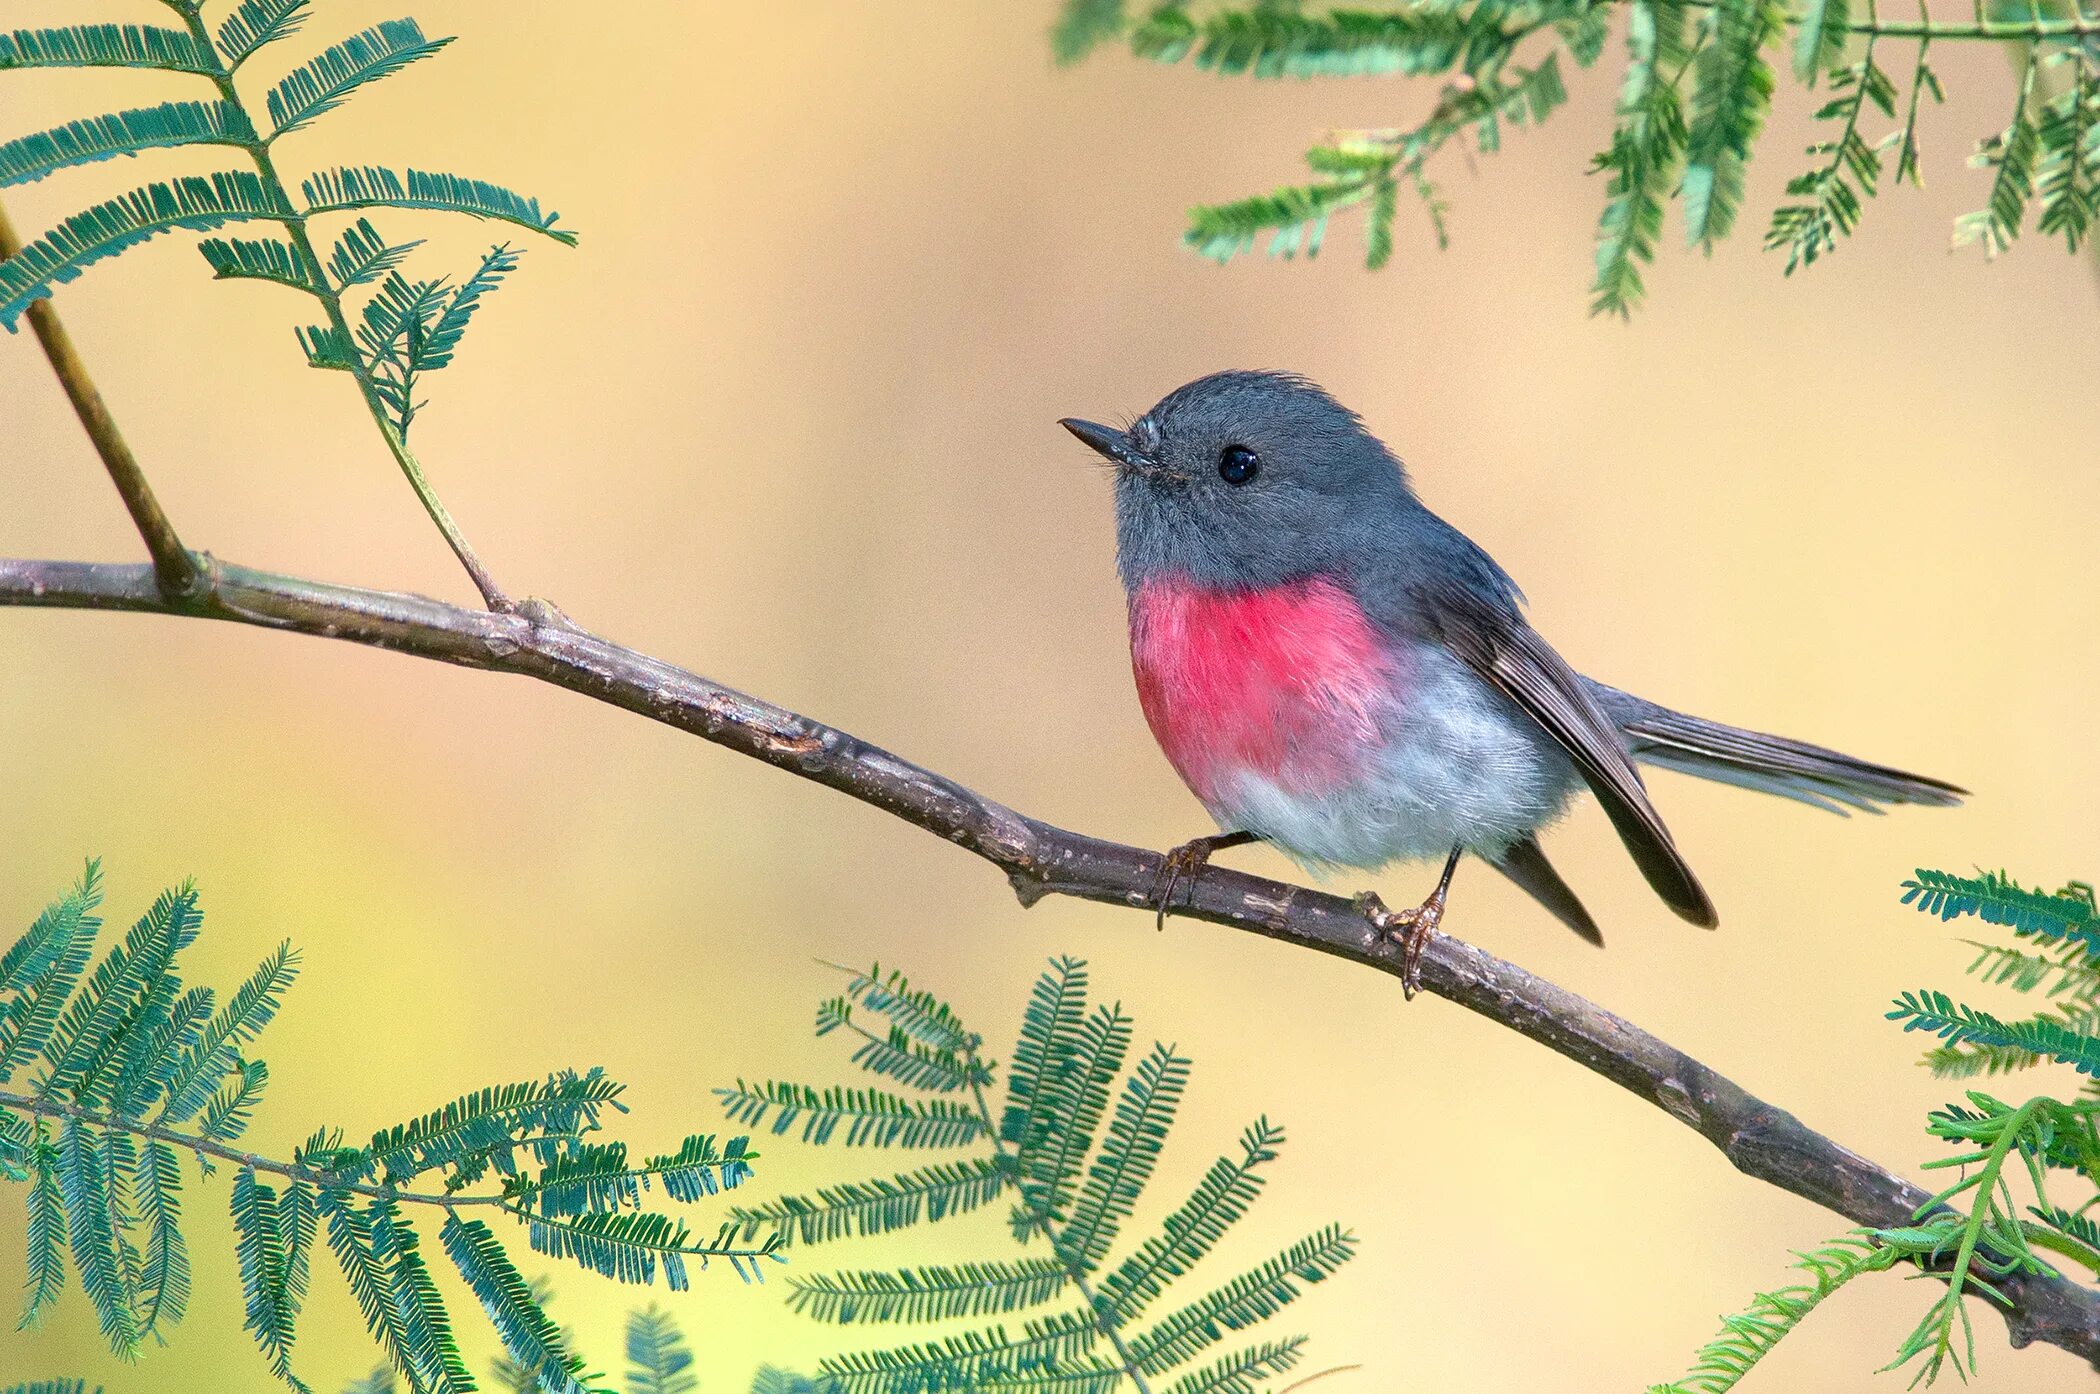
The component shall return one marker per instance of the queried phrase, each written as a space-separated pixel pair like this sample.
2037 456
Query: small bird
1335 670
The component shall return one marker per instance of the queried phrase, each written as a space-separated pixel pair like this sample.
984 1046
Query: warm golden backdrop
786 417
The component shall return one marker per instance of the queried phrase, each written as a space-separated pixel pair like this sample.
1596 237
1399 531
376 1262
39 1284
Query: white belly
1458 767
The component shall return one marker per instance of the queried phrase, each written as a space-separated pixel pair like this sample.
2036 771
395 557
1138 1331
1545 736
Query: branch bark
1760 1140
172 564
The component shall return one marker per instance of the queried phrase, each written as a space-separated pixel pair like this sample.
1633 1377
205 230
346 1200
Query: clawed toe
1411 929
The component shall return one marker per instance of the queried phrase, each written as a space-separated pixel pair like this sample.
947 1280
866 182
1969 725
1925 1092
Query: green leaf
1646 152
1129 1151
1226 1191
436 349
122 133
2068 179
41 969
918 1013
324 84
349 188
105 46
434 1355
1961 1025
1995 898
1253 1296
362 256
1819 41
256 259
1849 168
164 1281
100 1253
103 1009
46 1228
489 1125
928 1294
217 1048
227 1115
121 224
1277 41
1051 1025
532 1340
1750 1336
871 1117
1082 26
256 23
658 1360
630 1246
352 1235
325 346
980 1360
1730 100
272 1265
598 1176
1076 1100
1243 1371
878 1206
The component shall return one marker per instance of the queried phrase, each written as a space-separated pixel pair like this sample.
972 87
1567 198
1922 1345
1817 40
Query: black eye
1237 464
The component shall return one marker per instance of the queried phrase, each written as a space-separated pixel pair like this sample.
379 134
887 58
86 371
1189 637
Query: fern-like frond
51 1386
436 349
1645 155
272 1264
630 1246
880 1205
1129 1151
1275 41
1254 1296
2066 968
107 1000
1995 898
337 72
1077 1099
2068 180
434 1361
164 1281
1730 100
599 1176
255 23
197 1073
101 1253
108 229
122 133
1294 217
929 1294
532 1341
46 1231
1750 1335
918 1013
1848 169
1051 1024
40 970
2011 156
361 256
772 1380
977 1360
489 1125
104 46
256 259
1819 38
1959 1025
870 1117
1082 26
1243 1371
352 188
658 1360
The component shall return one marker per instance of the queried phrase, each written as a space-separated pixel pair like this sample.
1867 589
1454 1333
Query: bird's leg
1411 928
1185 861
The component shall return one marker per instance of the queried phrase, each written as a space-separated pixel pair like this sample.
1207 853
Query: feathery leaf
350 188
255 23
337 72
122 133
104 46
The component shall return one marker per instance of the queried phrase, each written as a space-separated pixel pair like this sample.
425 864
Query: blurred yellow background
787 417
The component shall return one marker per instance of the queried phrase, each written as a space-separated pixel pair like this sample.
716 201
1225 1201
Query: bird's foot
1411 929
1184 864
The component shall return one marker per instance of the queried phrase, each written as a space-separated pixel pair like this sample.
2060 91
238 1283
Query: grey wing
1792 769
1496 642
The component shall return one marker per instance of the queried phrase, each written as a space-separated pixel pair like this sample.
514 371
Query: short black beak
1116 447
1113 445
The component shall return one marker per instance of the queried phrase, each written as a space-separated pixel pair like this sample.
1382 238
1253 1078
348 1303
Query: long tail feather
1812 774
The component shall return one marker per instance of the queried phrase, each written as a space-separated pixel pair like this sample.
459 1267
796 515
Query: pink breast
1285 683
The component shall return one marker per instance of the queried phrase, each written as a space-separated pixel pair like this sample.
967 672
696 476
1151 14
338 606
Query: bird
1337 671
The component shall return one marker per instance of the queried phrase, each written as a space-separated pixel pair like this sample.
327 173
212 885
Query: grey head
1248 479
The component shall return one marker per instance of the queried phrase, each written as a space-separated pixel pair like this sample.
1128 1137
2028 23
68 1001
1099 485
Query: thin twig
1761 1141
172 564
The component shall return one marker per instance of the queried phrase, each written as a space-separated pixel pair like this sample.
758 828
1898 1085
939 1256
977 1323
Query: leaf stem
173 567
331 300
1103 1322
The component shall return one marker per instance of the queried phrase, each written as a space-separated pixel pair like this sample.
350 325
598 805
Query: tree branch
539 642
173 566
